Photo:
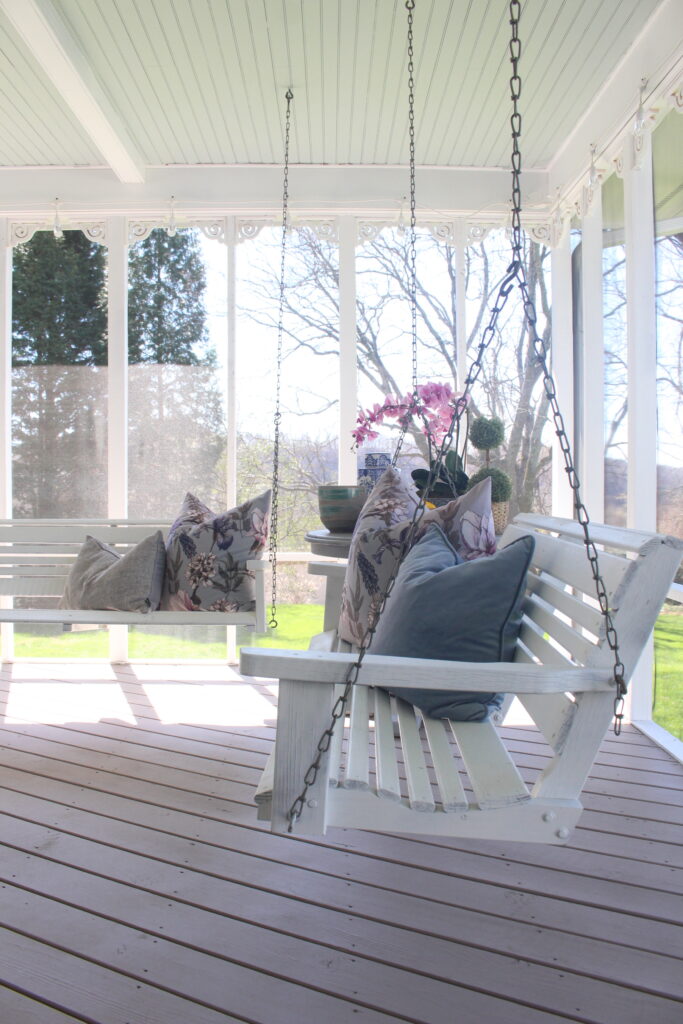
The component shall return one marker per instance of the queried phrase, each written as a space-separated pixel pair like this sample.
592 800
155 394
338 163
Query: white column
642 378
6 630
348 368
231 360
592 430
117 435
5 371
460 235
231 391
642 342
562 352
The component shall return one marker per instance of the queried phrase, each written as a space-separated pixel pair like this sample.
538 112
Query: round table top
334 545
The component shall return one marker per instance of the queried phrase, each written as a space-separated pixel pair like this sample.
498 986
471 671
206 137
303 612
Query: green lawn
668 705
298 623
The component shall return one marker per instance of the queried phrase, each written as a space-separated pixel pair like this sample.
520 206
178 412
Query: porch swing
593 593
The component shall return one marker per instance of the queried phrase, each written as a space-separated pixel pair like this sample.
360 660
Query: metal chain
548 381
460 407
277 418
515 274
412 246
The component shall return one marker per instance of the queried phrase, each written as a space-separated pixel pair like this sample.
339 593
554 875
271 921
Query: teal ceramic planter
340 506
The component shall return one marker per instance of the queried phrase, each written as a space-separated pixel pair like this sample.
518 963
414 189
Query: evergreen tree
166 319
176 431
59 308
59 354
176 423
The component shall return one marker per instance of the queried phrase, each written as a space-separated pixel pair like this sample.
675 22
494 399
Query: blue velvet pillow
444 608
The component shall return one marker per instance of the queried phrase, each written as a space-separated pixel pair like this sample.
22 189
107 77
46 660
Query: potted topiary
486 434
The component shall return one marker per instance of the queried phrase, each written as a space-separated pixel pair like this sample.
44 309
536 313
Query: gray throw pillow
445 608
101 578
207 554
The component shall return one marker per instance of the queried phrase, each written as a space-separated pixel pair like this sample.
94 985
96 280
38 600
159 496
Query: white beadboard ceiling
202 82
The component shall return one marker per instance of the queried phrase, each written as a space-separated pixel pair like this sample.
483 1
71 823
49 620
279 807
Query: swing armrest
423 673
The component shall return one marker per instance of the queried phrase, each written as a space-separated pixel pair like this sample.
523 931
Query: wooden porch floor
136 886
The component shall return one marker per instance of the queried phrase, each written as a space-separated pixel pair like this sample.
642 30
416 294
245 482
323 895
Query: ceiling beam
250 190
59 55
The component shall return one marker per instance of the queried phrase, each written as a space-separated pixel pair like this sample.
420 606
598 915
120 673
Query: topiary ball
486 434
501 485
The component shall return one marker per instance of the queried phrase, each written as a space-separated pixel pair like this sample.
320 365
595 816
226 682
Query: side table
330 545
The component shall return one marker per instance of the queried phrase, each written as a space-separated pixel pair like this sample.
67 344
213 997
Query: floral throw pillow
467 523
389 502
206 556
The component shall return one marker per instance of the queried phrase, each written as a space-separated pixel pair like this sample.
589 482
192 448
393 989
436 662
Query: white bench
36 556
459 779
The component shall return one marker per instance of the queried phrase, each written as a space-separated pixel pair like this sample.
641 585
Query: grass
668 703
298 623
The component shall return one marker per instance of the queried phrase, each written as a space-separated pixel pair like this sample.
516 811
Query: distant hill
669 496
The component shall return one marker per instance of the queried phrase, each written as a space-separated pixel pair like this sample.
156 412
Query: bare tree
509 385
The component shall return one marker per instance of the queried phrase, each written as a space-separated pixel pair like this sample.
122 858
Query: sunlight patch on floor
57 702
58 671
198 673
209 703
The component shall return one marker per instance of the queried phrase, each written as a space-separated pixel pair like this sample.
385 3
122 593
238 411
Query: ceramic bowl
340 506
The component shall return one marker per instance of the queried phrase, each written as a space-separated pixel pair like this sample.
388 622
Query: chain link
515 274
548 381
412 238
277 418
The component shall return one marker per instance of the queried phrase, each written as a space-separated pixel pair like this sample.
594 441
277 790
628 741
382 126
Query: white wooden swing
337 760
458 779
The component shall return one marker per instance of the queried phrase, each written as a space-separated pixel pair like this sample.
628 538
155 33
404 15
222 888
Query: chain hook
412 239
277 416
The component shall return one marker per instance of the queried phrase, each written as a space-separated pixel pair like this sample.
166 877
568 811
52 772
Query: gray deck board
136 883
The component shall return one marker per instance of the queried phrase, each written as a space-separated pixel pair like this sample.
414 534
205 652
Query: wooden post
348 371
460 231
563 369
117 440
7 630
592 382
642 377
230 234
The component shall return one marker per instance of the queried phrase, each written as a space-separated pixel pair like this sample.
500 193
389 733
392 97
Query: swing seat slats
390 770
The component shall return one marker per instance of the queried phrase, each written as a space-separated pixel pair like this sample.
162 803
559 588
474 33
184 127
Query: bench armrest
423 673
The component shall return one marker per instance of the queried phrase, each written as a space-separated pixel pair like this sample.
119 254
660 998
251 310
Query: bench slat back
562 621
36 555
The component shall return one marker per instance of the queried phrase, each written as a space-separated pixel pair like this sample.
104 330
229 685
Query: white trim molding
625 147
23 231
662 737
